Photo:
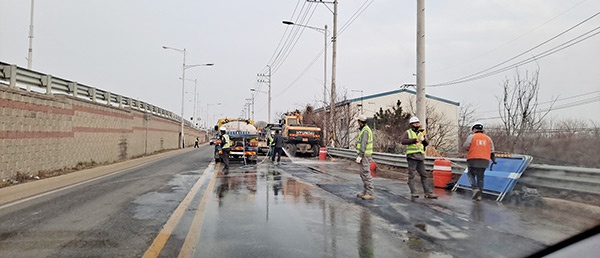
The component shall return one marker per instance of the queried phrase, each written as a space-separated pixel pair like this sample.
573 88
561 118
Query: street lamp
361 101
195 87
254 91
324 31
207 106
183 68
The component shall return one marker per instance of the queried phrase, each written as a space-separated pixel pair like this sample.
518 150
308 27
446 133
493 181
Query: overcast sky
116 46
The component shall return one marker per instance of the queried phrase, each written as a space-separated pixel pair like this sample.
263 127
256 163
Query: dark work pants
418 166
225 158
476 178
278 151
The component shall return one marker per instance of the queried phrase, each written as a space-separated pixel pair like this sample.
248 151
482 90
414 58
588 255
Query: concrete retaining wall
41 132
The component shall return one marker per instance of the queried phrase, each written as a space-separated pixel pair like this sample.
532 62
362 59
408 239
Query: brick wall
41 132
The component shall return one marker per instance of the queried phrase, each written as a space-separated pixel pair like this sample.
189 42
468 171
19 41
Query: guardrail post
107 98
120 100
11 73
92 92
73 88
46 82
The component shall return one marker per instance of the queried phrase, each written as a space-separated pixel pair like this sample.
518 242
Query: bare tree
465 121
518 108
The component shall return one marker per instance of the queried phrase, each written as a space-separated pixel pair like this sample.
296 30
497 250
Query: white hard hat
477 125
272 132
362 118
413 119
223 129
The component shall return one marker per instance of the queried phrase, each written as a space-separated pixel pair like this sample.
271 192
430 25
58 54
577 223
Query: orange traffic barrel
322 153
442 172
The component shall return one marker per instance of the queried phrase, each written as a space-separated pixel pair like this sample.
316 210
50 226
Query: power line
526 61
477 75
522 35
290 48
551 101
283 35
355 15
344 26
567 105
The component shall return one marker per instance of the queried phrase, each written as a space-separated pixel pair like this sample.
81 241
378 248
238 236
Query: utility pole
332 103
421 105
267 78
30 51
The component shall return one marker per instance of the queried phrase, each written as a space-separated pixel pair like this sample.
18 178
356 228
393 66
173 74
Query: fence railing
573 179
33 81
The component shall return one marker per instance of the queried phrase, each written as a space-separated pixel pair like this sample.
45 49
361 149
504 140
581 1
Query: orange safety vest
481 147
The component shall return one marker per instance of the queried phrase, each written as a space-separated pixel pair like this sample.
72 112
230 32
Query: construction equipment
243 136
299 138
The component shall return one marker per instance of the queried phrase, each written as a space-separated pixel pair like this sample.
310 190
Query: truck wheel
290 148
315 150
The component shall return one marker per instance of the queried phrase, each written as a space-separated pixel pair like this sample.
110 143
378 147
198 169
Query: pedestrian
225 147
479 149
271 144
364 150
278 146
415 141
197 143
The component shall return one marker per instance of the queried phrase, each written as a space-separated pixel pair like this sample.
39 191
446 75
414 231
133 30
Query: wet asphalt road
187 206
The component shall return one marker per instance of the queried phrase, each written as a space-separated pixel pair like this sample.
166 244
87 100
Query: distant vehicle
243 136
213 141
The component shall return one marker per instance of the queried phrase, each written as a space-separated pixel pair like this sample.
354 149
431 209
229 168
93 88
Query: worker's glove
358 159
421 138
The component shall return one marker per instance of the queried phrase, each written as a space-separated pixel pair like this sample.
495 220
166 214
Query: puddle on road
295 217
156 205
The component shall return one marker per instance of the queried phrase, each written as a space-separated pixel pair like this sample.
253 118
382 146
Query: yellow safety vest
415 147
369 147
227 142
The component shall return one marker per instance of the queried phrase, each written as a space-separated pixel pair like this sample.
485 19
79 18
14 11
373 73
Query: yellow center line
162 237
189 245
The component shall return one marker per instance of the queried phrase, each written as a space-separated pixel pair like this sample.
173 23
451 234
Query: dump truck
300 138
243 136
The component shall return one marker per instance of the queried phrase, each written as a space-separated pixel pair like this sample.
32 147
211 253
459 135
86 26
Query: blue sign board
501 178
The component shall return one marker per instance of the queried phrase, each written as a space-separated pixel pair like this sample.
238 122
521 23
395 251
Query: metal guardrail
562 178
21 78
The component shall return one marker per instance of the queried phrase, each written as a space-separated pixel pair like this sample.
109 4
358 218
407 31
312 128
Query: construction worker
196 144
271 143
479 149
225 147
415 141
364 151
278 142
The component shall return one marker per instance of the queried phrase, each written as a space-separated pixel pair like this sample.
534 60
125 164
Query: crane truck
299 138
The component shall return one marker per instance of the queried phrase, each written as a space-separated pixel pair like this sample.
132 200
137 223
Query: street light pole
30 51
183 68
181 133
324 31
421 105
333 61
361 101
195 94
207 113
268 81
